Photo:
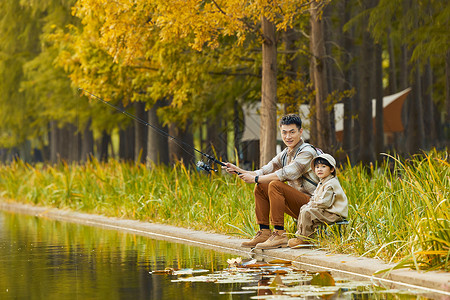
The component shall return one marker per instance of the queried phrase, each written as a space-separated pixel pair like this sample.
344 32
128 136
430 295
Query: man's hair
325 162
291 119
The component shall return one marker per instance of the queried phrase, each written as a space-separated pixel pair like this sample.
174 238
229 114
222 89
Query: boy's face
323 171
291 135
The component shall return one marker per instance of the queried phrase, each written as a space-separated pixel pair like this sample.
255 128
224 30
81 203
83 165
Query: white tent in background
392 109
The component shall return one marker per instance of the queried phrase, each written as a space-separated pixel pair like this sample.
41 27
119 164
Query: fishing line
200 164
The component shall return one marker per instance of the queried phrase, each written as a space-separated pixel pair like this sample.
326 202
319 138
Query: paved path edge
436 284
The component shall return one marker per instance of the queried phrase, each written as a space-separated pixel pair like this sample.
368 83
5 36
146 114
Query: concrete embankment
434 284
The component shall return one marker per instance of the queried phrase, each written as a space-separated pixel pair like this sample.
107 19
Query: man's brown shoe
278 239
297 243
260 237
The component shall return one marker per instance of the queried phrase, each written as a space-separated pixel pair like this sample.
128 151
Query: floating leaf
165 271
275 269
280 262
184 272
237 292
323 279
280 272
276 281
256 265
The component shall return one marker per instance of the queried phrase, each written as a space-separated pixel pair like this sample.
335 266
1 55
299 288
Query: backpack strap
309 180
284 157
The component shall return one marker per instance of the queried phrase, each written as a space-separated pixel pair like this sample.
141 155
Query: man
273 197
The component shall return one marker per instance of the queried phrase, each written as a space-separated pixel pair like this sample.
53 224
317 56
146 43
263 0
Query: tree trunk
365 101
63 143
430 138
403 84
158 145
392 67
238 127
415 134
179 151
126 143
355 104
53 138
379 128
347 45
87 143
319 79
313 136
140 150
268 130
217 138
103 146
290 36
404 68
331 71
74 143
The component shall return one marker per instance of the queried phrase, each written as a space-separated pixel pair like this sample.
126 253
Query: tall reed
172 195
399 212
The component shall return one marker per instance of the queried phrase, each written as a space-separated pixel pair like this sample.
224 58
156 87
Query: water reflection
46 259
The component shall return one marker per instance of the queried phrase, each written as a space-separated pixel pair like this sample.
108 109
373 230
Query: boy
328 204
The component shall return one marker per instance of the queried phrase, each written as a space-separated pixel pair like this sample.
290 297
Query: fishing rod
200 164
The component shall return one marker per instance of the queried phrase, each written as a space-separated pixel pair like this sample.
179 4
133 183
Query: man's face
291 135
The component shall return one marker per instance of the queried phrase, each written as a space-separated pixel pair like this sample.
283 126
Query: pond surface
48 259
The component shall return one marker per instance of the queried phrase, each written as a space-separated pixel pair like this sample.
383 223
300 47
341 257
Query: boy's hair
291 119
325 162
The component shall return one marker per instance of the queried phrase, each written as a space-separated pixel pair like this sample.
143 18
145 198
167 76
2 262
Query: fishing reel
202 166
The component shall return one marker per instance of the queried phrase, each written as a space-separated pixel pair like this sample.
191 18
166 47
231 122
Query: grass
398 213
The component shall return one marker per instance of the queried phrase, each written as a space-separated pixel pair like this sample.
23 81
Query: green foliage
33 91
422 25
19 43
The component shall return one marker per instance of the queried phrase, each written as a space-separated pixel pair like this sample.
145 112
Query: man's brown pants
276 198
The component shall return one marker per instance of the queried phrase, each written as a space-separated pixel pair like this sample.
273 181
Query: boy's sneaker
260 237
297 243
278 239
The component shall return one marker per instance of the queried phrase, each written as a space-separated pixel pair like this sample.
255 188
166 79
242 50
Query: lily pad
184 272
323 279
280 262
162 272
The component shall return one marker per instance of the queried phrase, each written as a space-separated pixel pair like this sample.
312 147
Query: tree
37 91
19 44
90 67
422 26
319 75
268 132
201 25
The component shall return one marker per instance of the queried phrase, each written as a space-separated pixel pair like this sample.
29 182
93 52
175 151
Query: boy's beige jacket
330 196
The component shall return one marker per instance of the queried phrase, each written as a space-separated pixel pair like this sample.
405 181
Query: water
47 259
